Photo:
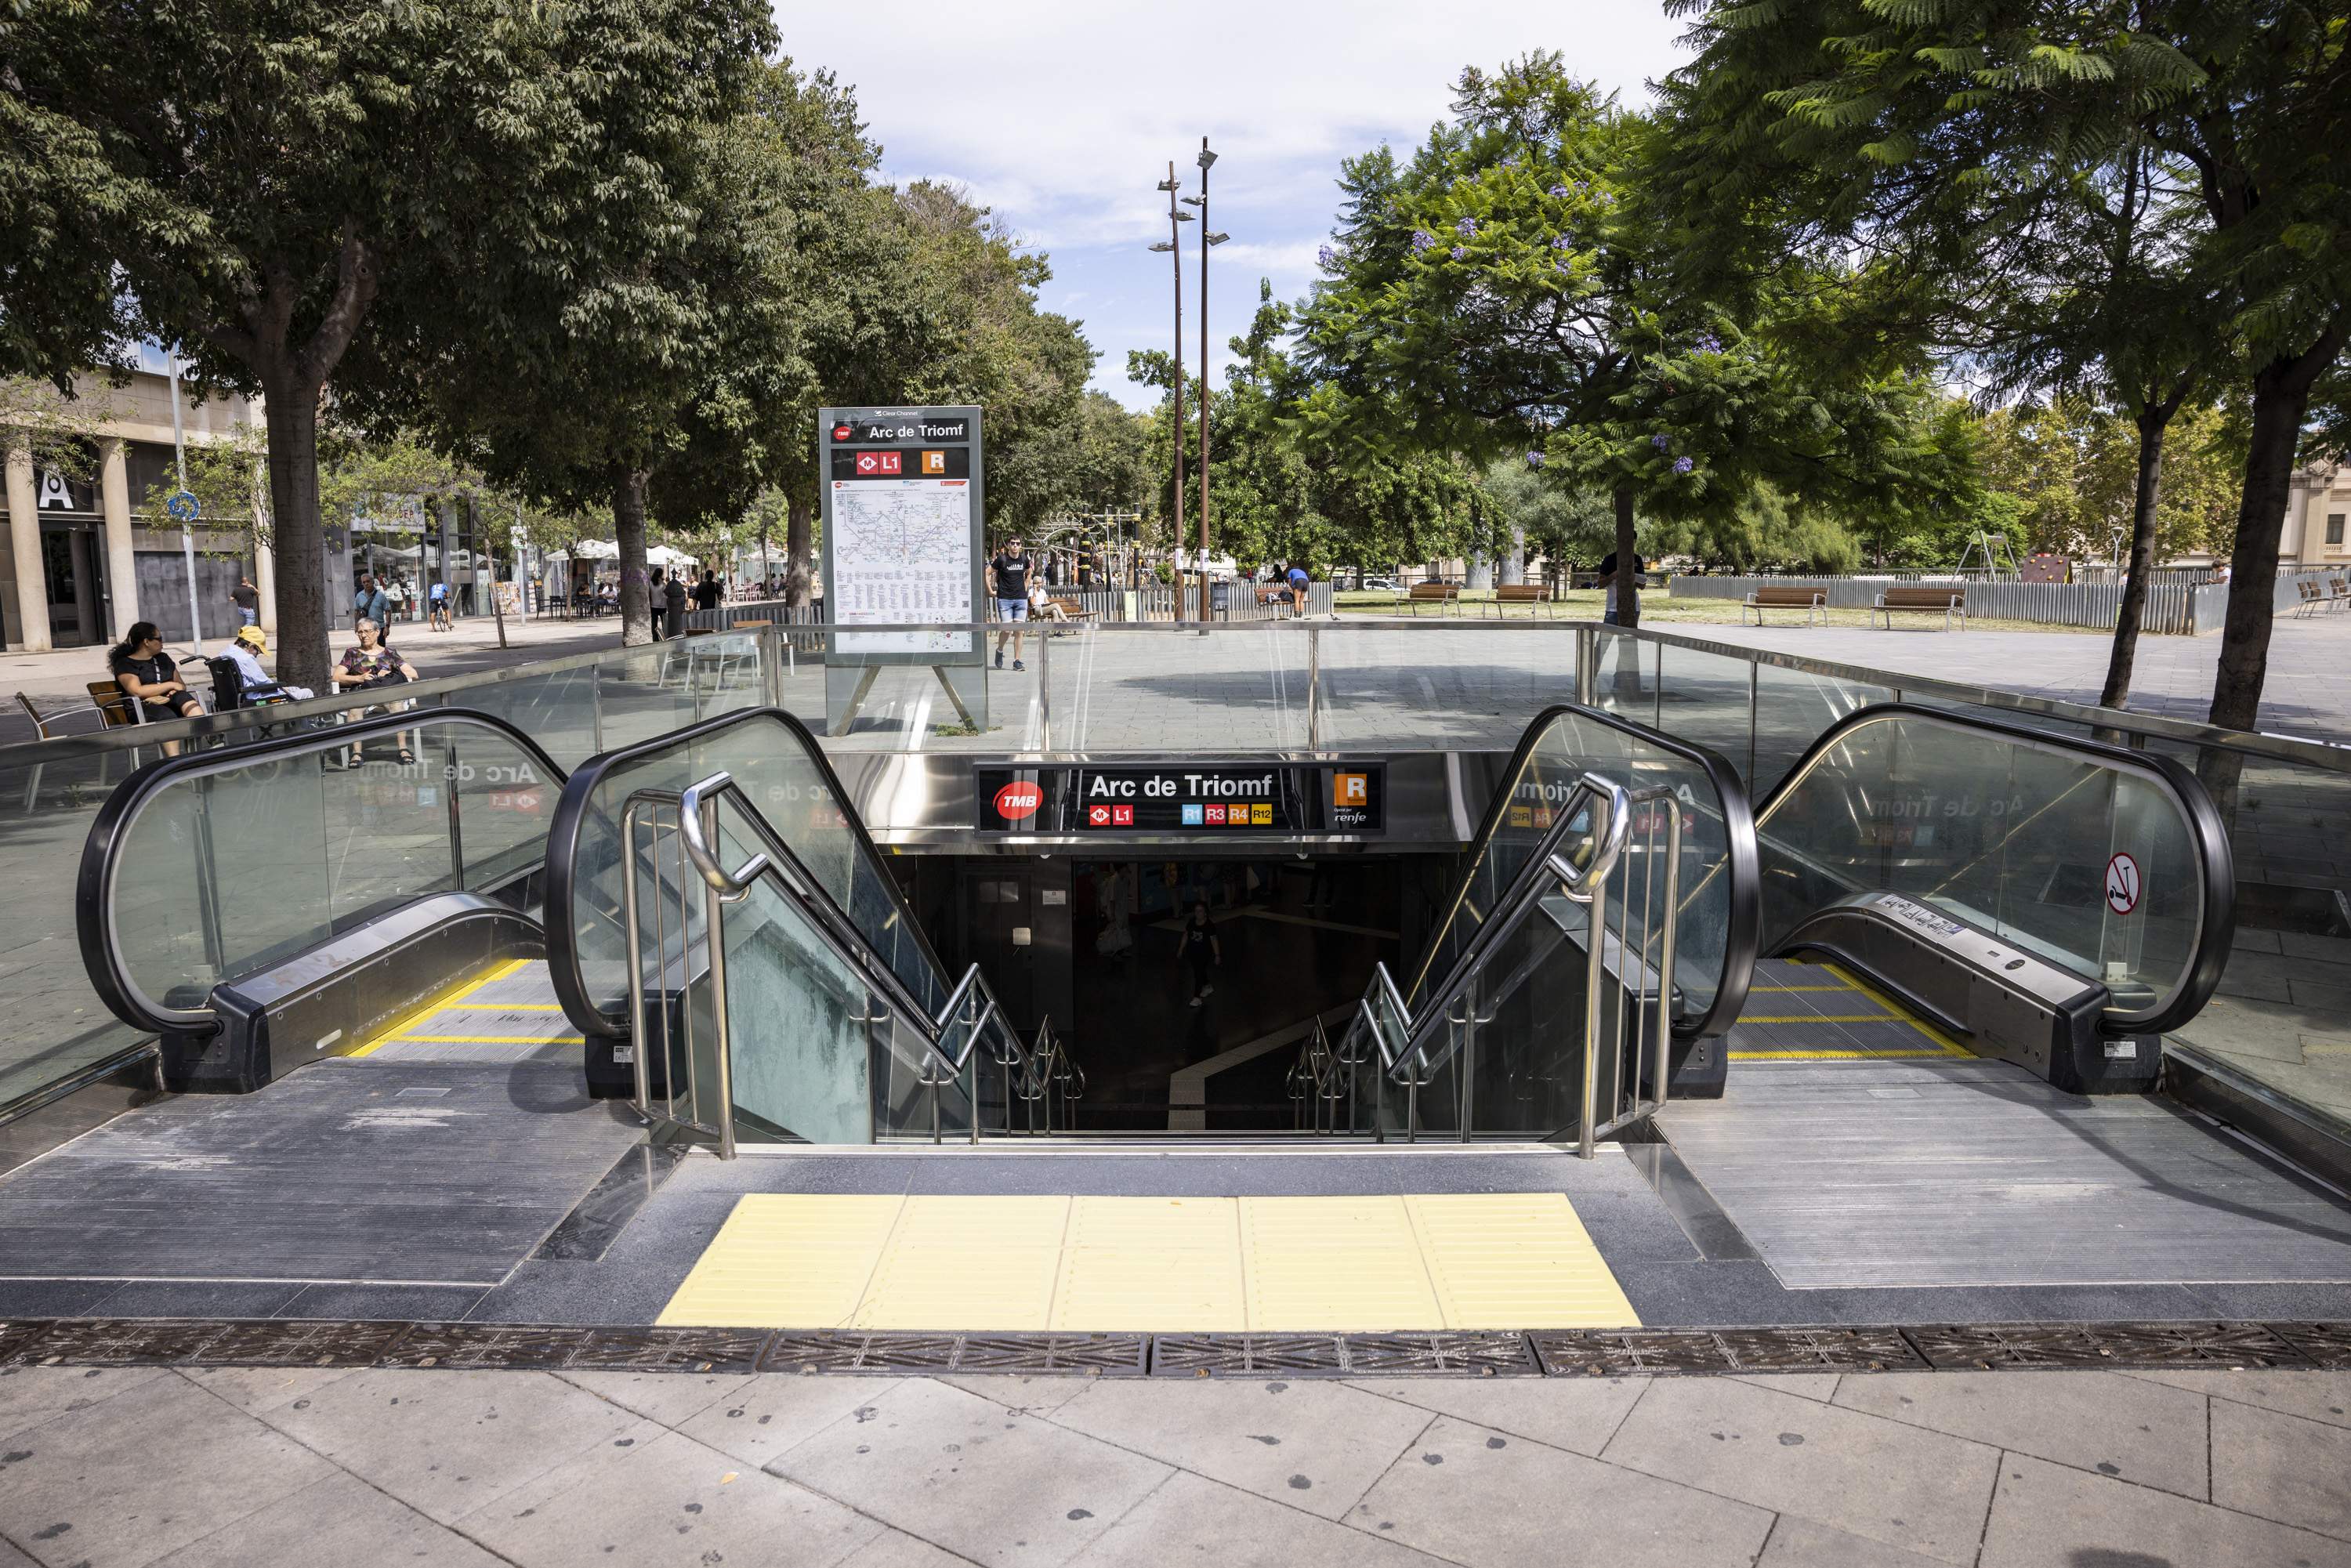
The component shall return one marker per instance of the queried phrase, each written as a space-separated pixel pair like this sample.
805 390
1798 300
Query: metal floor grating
1580 1352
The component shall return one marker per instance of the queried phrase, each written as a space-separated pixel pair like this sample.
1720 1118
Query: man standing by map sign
903 509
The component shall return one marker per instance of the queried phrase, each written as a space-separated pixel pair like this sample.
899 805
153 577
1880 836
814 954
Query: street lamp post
1208 242
1176 215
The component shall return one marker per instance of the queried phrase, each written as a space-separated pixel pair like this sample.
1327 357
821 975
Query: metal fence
2171 607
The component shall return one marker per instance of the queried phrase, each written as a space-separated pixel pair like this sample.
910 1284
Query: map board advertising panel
903 531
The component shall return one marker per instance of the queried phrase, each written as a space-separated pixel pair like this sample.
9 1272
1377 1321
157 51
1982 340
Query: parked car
1380 583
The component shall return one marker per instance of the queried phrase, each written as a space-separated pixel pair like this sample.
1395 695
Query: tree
1879 128
256 184
1510 290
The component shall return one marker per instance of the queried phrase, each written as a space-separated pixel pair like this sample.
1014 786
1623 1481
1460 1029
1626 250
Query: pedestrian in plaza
1299 582
369 667
1621 583
1200 951
396 590
248 599
674 600
1007 583
257 685
707 593
368 600
437 600
657 602
150 677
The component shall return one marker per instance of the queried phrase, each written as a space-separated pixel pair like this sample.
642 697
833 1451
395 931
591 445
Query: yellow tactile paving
1152 1264
1173 1262
1504 1260
788 1260
981 1262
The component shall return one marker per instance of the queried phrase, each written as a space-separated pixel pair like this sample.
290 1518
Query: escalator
325 893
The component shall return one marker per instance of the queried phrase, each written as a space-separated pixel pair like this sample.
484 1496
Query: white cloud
1061 117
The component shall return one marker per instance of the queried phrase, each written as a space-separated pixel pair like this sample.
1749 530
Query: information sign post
905 549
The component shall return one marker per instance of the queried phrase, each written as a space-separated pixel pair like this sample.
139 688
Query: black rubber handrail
101 849
1742 939
563 851
2217 929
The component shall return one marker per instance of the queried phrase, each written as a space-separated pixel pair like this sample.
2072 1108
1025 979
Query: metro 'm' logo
1017 801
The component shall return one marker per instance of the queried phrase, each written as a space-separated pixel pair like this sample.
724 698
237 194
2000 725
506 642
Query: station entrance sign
1188 799
904 512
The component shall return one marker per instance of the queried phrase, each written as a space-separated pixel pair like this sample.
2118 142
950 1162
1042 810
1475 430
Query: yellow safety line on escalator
450 997
1950 1047
487 1039
1083 1264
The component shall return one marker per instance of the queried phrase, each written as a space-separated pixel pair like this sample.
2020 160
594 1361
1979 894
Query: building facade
2318 517
78 566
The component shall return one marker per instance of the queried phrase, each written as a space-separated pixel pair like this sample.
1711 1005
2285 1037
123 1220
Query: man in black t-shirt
1628 584
707 593
1007 584
248 599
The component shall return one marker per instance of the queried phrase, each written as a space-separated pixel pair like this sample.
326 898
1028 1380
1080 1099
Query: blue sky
1063 116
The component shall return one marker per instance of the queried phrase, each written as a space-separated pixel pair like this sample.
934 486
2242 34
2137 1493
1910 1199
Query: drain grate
1456 1354
1090 1355
1580 1352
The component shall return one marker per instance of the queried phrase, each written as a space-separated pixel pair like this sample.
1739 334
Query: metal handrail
697 819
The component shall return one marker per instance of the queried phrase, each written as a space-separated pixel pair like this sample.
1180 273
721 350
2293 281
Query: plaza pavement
114 1467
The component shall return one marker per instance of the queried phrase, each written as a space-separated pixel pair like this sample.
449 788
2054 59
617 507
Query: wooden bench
2309 597
2338 593
1441 594
1524 593
1812 602
1070 609
1946 603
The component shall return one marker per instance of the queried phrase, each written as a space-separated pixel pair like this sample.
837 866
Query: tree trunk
1625 586
2152 420
304 617
798 531
2281 400
629 533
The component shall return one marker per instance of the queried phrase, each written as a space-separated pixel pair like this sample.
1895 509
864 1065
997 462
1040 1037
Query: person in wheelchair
371 666
253 685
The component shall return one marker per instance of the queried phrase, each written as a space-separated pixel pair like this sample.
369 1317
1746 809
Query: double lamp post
1177 218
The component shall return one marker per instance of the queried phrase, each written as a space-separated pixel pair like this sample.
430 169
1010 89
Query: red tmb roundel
1017 801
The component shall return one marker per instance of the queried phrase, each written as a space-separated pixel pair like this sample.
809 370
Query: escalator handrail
1743 931
814 899
101 850
572 812
2217 925
1525 894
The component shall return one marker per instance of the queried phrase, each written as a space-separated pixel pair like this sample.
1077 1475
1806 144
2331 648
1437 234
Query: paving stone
1579 1415
967 1474
144 1473
1195 1520
1015 1391
897 1549
1820 1386
445 1442
778 1411
671 1398
31 1394
2312 1395
664 1497
1800 1544
254 1389
1919 1490
2282 1468
336 1520
2101 1421
1263 1438
2053 1516
1457 1496
12 1558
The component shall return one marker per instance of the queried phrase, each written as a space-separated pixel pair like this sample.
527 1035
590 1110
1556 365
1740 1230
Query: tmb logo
1017 801
843 432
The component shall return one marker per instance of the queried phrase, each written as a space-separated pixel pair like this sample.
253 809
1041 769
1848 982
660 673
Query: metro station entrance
1166 1041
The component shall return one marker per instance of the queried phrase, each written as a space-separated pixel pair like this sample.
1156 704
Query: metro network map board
903 531
1217 799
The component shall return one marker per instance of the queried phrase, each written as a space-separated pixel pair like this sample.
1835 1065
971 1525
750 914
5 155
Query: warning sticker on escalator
1918 915
2122 885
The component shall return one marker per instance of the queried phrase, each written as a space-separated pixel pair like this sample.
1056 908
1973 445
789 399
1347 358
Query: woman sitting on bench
369 665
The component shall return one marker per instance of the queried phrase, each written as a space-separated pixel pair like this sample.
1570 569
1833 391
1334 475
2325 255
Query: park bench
2313 595
1524 593
1274 596
1070 609
1812 602
1441 594
2338 593
1946 603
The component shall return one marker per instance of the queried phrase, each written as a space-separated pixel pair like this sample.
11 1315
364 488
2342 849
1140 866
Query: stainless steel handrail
697 825
1423 1052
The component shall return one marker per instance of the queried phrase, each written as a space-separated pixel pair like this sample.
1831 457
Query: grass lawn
1659 607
